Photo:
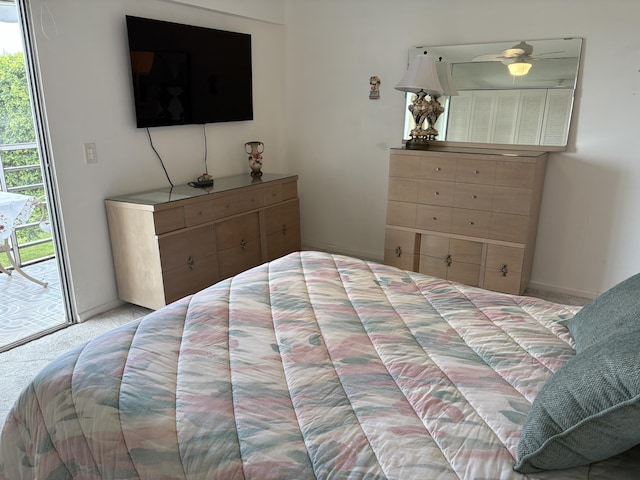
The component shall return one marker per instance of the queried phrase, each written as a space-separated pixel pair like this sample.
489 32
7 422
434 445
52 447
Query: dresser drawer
282 228
433 217
403 189
474 223
238 243
209 210
438 168
186 248
185 279
472 196
401 249
476 171
272 194
515 174
434 246
168 220
407 166
467 273
512 200
503 268
434 192
402 214
509 228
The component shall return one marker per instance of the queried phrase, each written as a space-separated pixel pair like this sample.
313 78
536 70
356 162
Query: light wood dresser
467 215
172 242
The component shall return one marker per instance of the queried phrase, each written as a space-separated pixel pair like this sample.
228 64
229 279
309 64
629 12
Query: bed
318 366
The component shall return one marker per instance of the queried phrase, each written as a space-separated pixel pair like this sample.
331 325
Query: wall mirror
495 105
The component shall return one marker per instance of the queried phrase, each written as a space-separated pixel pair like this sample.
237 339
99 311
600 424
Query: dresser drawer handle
284 229
448 260
438 169
471 223
436 193
476 172
398 251
474 196
504 269
190 262
435 218
243 244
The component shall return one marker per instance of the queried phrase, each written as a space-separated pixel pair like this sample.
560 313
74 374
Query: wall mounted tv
184 74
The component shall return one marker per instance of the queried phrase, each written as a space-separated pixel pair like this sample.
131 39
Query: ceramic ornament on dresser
255 149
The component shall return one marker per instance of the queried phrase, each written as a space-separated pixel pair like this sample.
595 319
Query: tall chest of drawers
466 215
172 242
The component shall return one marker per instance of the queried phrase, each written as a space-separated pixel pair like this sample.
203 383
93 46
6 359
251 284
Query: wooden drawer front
433 192
400 249
238 243
402 214
515 174
494 280
472 196
503 268
185 249
403 189
272 194
168 220
465 251
282 229
213 209
186 280
499 255
289 190
474 223
434 246
232 233
434 266
404 166
509 228
512 200
400 241
476 171
466 273
430 217
438 168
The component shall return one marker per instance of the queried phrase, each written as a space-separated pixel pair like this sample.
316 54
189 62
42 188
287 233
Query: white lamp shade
422 75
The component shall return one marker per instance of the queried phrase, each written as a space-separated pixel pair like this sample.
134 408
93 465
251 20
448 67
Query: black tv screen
183 74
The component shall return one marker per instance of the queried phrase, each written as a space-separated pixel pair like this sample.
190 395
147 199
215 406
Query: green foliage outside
22 166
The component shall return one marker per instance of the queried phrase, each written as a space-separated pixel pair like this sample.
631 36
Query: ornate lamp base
424 110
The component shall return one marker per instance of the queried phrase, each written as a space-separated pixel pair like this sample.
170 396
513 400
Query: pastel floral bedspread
314 366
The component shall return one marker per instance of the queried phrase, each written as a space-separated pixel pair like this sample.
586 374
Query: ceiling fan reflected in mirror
517 59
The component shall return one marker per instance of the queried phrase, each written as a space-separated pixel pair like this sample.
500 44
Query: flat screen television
184 74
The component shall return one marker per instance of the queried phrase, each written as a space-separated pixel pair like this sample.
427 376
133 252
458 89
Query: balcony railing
20 172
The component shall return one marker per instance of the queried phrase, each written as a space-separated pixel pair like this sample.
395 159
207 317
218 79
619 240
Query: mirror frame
551 49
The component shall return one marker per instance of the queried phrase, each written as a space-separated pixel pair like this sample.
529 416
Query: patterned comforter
311 366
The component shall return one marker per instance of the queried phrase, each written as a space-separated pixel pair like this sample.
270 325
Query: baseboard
105 307
340 250
545 287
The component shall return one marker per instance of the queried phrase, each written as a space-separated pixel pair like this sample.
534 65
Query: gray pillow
587 411
615 312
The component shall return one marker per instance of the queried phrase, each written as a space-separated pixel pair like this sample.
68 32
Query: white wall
311 85
84 65
338 139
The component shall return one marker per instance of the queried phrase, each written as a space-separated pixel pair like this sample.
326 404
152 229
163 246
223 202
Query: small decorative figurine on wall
255 149
374 92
